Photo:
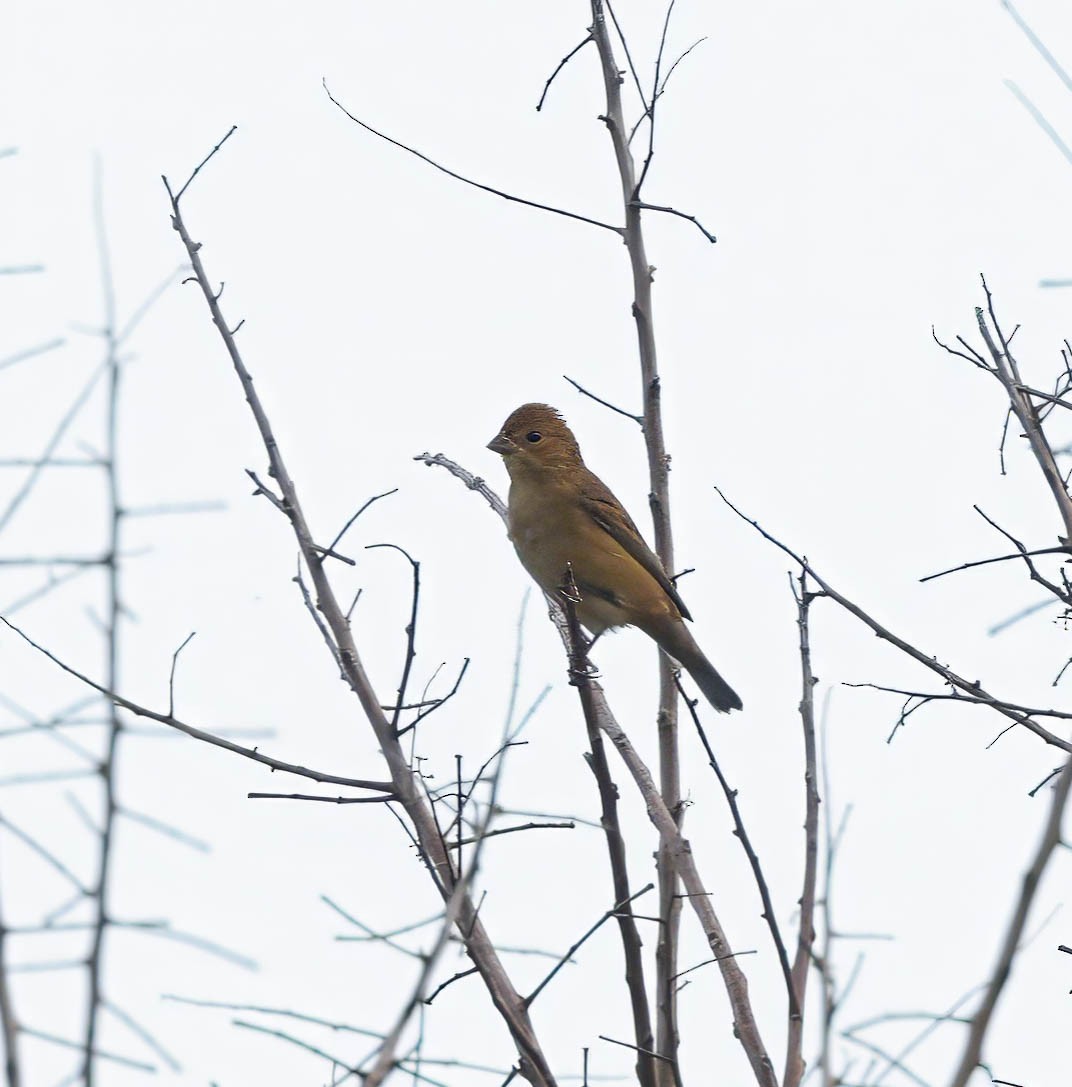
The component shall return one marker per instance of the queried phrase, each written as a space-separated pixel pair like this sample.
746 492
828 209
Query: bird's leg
568 586
580 667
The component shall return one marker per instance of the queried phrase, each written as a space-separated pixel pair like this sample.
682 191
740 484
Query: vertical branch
112 618
659 498
580 669
822 959
794 1056
9 1027
745 1027
980 1021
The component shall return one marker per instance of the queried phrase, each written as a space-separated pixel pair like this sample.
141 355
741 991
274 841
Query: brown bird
562 516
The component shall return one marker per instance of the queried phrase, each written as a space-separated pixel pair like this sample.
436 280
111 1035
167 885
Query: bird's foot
582 673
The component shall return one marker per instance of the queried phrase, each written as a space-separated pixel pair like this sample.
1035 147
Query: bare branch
998 558
346 528
638 419
198 734
474 483
641 271
31 352
204 162
561 64
1008 373
680 853
466 180
144 1035
741 834
1051 837
567 957
1034 39
66 420
1040 119
972 688
640 204
171 676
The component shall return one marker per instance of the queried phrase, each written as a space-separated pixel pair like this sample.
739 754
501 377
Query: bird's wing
601 505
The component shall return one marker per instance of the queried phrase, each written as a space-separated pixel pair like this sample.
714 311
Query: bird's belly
549 542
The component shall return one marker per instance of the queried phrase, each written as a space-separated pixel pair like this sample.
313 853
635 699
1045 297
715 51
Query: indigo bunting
562 516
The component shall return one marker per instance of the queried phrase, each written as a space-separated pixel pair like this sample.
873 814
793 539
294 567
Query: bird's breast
547 532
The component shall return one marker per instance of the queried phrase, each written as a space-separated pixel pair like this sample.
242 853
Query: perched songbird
561 515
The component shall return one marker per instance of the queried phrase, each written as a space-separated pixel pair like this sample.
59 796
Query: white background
860 164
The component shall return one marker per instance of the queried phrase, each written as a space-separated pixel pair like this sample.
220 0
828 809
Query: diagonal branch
198 734
507 1000
794 1060
1051 838
468 180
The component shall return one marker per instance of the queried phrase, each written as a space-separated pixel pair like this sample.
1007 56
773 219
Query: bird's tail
678 642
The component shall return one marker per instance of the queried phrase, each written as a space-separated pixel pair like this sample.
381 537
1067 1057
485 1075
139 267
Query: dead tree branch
533 1064
973 688
794 1058
666 956
980 1022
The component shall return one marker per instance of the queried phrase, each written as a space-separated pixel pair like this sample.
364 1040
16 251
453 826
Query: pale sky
860 164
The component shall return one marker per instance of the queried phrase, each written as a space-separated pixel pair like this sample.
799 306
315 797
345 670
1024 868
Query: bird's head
536 436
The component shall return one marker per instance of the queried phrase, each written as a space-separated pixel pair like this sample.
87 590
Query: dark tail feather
681 645
716 690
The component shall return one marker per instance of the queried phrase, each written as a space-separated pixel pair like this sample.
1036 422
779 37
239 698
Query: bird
562 517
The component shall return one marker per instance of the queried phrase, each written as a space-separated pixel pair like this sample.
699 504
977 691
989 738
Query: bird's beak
501 444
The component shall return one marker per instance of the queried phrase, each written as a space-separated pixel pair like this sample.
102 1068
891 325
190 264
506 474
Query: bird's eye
533 436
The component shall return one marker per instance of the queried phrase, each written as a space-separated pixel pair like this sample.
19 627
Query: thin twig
558 68
638 419
171 676
794 1061
574 948
972 688
467 180
741 834
198 734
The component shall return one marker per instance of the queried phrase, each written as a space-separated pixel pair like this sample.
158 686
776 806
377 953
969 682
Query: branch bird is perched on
561 517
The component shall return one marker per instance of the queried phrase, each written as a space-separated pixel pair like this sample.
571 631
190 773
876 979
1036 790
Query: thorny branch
533 1064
